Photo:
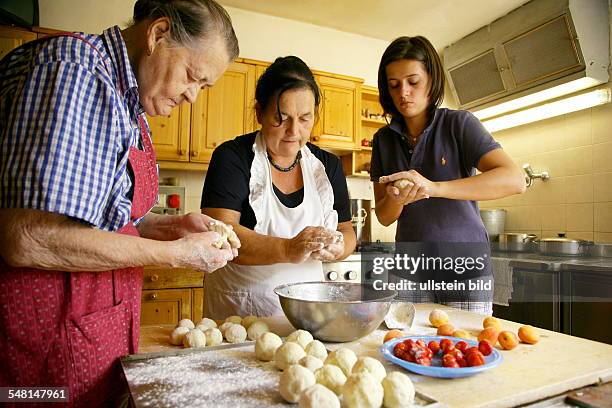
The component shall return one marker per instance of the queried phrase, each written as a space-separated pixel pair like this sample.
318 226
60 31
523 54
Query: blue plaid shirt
68 115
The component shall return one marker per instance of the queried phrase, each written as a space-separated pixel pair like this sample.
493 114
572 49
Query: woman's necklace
286 169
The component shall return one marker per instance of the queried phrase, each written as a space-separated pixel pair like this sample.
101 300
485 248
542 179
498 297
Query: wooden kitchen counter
557 364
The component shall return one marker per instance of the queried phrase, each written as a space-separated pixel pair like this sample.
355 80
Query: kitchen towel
502 274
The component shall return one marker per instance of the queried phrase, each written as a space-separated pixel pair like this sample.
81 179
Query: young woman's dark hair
412 48
285 73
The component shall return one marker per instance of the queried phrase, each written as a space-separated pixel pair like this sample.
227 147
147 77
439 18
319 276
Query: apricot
528 334
461 334
446 330
491 321
438 317
392 334
507 340
489 334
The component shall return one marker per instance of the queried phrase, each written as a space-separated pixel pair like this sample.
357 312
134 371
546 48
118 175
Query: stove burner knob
350 275
332 276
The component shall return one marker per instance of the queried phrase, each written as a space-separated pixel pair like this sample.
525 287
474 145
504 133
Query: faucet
530 175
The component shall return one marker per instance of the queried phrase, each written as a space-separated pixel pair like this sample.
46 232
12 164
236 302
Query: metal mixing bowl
334 311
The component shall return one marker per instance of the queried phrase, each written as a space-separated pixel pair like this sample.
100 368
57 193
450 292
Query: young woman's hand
417 188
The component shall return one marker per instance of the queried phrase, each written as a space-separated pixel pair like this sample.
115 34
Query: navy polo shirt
449 148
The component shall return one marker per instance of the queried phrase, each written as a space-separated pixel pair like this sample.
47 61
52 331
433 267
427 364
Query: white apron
249 290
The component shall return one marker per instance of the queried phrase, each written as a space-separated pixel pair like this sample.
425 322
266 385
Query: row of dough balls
315 379
206 333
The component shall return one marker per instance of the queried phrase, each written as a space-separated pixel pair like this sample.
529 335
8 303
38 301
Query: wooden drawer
167 306
164 278
197 304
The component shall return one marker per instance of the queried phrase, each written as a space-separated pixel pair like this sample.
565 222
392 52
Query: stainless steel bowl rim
382 299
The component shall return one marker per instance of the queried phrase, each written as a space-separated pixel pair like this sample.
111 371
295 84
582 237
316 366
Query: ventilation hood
540 51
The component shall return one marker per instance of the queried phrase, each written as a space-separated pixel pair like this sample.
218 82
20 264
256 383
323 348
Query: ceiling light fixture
549 110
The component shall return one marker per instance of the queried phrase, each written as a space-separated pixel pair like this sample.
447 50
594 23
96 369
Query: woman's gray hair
191 20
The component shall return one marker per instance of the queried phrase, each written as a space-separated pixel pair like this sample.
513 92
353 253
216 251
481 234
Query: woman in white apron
286 199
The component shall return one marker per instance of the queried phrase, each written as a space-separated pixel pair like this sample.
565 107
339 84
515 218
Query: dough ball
311 363
362 391
233 319
316 349
213 336
207 323
256 329
177 335
288 354
319 396
343 358
227 234
225 326
248 321
403 183
370 365
399 390
195 339
266 345
294 381
236 333
186 323
301 337
332 377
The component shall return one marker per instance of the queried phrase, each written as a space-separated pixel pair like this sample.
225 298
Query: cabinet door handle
153 296
194 154
315 138
182 152
214 144
154 278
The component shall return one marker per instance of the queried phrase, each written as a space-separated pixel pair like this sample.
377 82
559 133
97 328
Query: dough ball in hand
316 349
194 339
177 335
301 337
398 389
332 377
266 345
213 337
295 380
370 365
402 183
288 354
362 391
319 396
236 333
256 329
227 235
187 323
311 363
343 358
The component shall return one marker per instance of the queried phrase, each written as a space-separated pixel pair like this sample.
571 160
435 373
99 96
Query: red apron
62 329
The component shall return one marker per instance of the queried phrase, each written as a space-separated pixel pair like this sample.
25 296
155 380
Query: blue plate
436 369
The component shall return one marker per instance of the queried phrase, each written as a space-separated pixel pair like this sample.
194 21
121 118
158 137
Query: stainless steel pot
494 221
564 246
517 242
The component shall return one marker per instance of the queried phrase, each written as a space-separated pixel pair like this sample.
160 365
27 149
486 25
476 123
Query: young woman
438 152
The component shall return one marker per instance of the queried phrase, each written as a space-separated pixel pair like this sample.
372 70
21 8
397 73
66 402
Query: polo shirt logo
443 161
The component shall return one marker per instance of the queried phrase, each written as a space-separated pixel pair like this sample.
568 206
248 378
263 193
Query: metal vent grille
544 51
477 78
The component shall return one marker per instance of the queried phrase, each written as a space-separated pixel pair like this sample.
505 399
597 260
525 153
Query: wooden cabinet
170 134
170 295
166 306
339 116
11 38
223 112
